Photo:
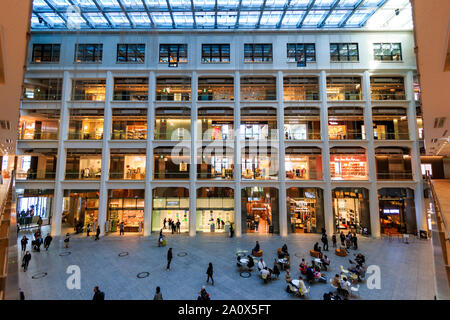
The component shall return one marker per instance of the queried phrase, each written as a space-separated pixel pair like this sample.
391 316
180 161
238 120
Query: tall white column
327 199
57 206
103 199
193 157
149 155
237 156
373 192
415 152
281 157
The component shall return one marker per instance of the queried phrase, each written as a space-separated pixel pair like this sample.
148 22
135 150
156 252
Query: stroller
36 245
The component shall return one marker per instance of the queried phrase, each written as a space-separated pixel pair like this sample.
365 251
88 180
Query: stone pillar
373 192
103 199
149 155
193 157
237 156
415 152
327 199
57 205
281 157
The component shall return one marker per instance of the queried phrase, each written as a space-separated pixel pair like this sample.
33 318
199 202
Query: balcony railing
127 176
171 175
306 176
85 136
36 175
41 136
350 175
392 136
388 96
405 175
299 137
123 135
82 175
301 96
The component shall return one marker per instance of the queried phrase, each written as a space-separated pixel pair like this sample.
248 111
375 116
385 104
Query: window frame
168 45
339 47
221 54
98 52
254 48
54 58
130 52
303 50
391 55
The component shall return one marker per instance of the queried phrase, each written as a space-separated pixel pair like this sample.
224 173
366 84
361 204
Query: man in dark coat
98 295
48 239
97 234
169 258
26 260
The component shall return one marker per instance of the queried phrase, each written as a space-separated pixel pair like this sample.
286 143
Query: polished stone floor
406 269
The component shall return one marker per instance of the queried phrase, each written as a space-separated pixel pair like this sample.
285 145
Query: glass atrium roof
217 14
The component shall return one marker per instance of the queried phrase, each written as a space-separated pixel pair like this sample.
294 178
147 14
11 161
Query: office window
46 52
301 52
258 52
88 52
215 53
173 53
387 51
131 53
344 52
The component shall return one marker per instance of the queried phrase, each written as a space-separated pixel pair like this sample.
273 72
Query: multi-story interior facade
269 131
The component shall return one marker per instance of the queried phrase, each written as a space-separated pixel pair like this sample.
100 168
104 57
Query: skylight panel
156 4
359 16
204 4
40 5
314 17
248 19
270 18
97 19
276 4
252 4
180 4
109 4
85 4
140 18
226 19
60 4
336 17
118 19
323 3
133 4
371 3
184 19
299 4
205 19
292 18
162 19
348 3
53 19
227 4
35 22
76 21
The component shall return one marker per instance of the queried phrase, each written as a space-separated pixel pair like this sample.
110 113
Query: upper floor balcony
387 88
258 123
301 123
173 89
300 88
346 123
39 124
129 124
171 163
258 88
83 164
344 88
215 89
303 163
390 123
130 89
127 164
348 163
216 163
37 165
88 90
42 89
215 123
172 123
86 124
393 163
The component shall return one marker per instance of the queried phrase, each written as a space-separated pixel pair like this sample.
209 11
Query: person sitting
284 249
238 259
261 264
335 282
360 259
303 267
301 286
325 262
328 296
256 248
316 247
310 275
344 289
250 263
320 276
287 276
265 274
276 271
314 266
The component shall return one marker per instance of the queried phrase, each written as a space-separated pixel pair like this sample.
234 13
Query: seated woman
250 263
261 264
325 262
301 286
303 267
316 247
276 271
360 259
320 277
256 248
284 249
336 282
287 276
310 275
344 287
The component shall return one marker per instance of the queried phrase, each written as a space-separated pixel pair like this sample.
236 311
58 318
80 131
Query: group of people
312 271
175 227
349 241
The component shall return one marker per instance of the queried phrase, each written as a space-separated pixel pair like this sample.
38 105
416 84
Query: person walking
88 229
98 295
173 227
325 241
26 260
97 233
47 241
333 239
158 294
39 223
203 294
342 236
178 226
209 272
121 229
169 258
355 241
231 230
67 240
24 242
164 222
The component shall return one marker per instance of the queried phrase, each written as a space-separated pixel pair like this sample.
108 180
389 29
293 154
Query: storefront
34 201
347 163
215 123
172 123
351 210
173 89
80 206
301 123
37 166
127 164
39 125
129 124
86 124
390 123
397 211
258 124
346 123
171 166
259 163
305 210
393 163
260 210
210 88
170 203
83 164
127 206
215 163
303 163
215 209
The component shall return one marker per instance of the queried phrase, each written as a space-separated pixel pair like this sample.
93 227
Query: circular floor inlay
143 275
245 274
241 254
182 254
123 254
67 253
298 255
39 275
